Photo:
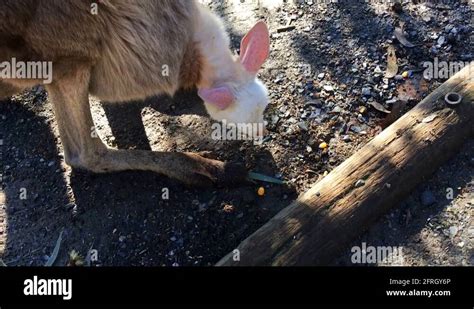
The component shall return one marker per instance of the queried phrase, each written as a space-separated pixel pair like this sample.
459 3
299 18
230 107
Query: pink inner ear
255 47
221 97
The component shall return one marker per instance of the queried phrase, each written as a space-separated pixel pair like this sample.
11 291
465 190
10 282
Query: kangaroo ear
221 97
255 47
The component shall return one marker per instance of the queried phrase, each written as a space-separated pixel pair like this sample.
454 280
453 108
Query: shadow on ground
122 215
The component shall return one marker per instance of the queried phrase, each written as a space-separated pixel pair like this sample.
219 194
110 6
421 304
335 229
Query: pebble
448 27
202 207
359 183
356 129
453 230
228 208
441 40
328 88
366 91
346 138
303 126
427 198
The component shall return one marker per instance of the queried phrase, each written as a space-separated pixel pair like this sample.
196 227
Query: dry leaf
379 107
54 255
402 39
392 66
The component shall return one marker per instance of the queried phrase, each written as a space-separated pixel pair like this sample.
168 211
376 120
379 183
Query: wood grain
322 221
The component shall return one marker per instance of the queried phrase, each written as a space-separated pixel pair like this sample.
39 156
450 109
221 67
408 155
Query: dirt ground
323 78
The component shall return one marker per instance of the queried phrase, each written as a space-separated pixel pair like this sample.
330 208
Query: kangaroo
117 55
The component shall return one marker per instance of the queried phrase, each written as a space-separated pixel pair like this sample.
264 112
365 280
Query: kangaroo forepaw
209 172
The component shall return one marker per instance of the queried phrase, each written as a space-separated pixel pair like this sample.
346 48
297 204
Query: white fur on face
250 103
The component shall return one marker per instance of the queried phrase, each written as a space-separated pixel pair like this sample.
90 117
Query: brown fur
116 55
190 74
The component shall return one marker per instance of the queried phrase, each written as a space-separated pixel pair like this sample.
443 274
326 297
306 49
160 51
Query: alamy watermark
377 255
228 131
442 69
36 70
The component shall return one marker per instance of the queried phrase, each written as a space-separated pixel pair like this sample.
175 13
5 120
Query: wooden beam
322 221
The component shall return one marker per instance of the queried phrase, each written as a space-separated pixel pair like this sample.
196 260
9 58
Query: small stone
71 206
321 75
303 126
453 230
323 145
202 207
427 198
361 118
441 40
228 208
366 91
346 138
74 211
309 149
359 183
275 119
356 129
328 88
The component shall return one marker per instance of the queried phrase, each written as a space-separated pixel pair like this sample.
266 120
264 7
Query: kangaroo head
242 100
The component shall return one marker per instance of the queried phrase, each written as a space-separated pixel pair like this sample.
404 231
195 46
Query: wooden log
322 221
